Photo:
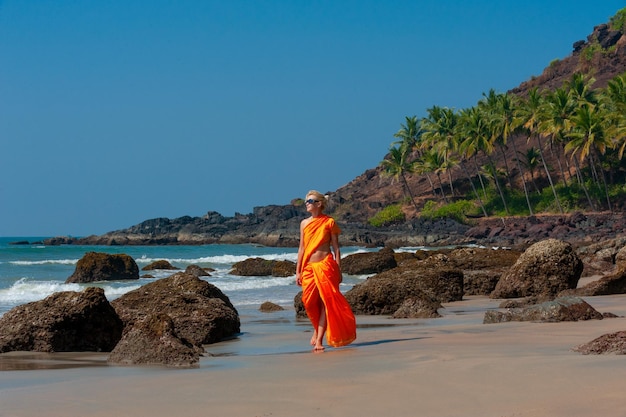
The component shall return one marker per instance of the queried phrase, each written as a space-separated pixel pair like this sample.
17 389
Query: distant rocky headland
278 226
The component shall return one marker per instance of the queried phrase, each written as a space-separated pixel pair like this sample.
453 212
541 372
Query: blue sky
114 112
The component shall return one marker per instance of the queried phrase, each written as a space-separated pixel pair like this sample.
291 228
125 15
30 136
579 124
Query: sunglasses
311 201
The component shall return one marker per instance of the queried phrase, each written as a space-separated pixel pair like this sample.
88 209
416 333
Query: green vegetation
572 160
618 22
459 210
389 215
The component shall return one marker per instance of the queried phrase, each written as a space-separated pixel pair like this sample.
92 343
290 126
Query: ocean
31 272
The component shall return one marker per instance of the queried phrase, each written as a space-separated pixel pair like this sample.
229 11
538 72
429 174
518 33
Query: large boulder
98 266
200 311
153 341
544 269
369 262
385 293
67 321
260 267
560 309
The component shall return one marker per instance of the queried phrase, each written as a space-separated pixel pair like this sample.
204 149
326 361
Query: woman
317 270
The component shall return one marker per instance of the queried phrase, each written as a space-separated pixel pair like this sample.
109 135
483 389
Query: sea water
33 271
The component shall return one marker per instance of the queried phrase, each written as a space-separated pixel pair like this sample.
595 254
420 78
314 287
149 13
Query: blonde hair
319 197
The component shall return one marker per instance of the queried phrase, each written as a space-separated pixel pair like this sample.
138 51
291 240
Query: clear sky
114 112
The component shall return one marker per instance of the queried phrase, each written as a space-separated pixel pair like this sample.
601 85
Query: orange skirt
320 287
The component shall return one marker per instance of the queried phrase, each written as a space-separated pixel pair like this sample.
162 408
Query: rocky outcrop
260 267
369 262
544 269
201 313
611 343
197 271
560 309
98 266
153 341
62 322
611 284
422 307
384 293
269 307
160 264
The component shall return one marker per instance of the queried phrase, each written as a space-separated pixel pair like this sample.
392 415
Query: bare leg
320 331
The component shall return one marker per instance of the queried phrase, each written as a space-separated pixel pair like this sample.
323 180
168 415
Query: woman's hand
298 279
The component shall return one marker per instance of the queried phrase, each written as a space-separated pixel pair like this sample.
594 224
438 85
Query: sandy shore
451 366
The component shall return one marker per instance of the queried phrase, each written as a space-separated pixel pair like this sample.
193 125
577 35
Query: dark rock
197 271
283 269
201 313
160 264
384 293
609 343
545 268
422 307
369 262
62 322
560 309
153 341
263 267
97 266
299 306
480 282
611 284
269 307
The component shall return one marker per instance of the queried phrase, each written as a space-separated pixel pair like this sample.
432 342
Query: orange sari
320 285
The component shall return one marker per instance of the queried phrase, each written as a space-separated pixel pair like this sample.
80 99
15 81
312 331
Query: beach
448 366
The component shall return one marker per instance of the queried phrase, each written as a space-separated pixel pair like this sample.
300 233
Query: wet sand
450 366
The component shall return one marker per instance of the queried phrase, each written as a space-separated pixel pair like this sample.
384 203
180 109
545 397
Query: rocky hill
602 54
369 192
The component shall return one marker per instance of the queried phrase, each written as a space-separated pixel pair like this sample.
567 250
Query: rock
66 321
611 284
299 306
384 293
197 271
544 269
201 313
97 266
260 267
422 307
369 263
609 343
620 259
269 307
603 256
160 264
480 282
153 341
560 309
283 269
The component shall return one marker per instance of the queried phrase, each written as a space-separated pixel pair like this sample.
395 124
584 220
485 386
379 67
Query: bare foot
314 339
318 348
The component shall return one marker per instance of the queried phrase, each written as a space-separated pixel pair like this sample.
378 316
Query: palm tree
476 134
397 165
439 133
589 140
529 116
409 132
616 105
530 159
494 108
433 161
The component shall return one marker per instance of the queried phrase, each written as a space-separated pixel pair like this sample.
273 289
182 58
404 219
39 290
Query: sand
450 366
